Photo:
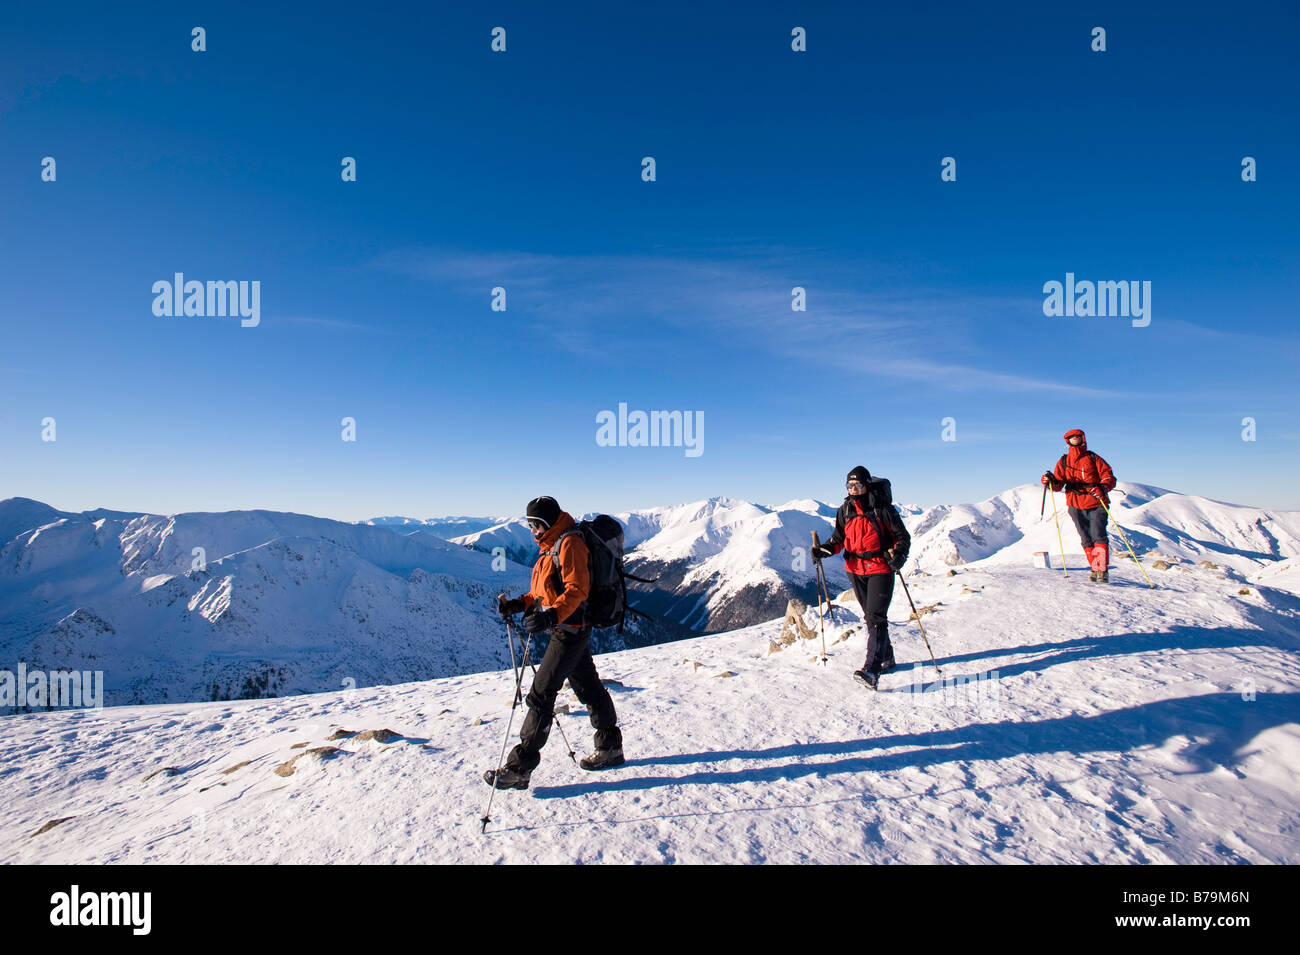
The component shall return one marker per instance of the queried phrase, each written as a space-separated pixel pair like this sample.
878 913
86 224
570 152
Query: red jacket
855 533
1083 467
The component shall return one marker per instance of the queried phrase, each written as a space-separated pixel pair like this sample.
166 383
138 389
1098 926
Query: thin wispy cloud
334 323
579 300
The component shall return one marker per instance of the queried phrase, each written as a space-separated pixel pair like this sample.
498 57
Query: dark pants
567 657
1091 523
874 592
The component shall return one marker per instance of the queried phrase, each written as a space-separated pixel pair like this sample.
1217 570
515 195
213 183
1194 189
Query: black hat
544 509
859 474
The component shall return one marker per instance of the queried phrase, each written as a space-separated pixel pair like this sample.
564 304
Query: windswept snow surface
1095 724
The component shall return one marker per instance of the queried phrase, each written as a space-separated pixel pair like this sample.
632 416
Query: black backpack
879 493
878 501
606 603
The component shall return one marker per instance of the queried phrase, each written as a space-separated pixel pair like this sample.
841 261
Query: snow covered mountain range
444 527
724 563
201 606
245 603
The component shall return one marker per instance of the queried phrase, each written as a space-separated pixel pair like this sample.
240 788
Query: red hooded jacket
1083 467
855 533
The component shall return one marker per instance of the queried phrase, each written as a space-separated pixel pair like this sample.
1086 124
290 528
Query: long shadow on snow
1272 633
1228 721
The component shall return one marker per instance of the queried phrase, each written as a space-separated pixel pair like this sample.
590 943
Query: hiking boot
887 666
507 778
602 759
1093 576
1103 577
866 679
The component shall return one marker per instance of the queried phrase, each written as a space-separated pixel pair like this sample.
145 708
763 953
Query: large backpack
879 493
879 501
606 603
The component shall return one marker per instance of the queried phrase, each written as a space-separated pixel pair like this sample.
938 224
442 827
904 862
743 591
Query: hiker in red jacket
1086 479
875 544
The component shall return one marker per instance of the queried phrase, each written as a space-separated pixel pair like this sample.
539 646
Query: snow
1284 575
285 603
303 603
1007 528
1115 724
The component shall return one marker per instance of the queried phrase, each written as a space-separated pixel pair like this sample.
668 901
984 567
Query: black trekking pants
1091 524
567 657
874 592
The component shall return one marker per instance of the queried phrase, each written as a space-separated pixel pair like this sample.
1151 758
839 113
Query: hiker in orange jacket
557 602
1087 480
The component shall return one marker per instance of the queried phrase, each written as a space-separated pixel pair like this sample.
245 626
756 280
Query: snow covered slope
1007 528
1091 724
284 604
444 527
512 536
291 603
724 563
719 563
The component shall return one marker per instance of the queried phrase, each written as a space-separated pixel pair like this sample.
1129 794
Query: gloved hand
821 552
896 559
535 621
1095 492
507 607
1048 479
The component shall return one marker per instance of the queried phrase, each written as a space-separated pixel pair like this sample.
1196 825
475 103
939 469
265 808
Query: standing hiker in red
875 544
1086 479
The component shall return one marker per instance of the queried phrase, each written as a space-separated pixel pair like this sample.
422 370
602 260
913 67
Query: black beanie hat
543 509
859 473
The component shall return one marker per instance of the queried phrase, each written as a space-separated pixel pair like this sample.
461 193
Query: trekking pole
826 590
824 587
514 665
514 703
1042 508
1125 540
918 621
820 622
1056 517
528 662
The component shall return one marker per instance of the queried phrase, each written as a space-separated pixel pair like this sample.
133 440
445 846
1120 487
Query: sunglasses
855 484
536 524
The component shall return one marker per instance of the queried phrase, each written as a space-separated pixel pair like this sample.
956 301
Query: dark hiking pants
1091 523
567 657
874 592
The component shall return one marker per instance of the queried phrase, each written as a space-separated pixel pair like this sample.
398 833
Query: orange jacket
1079 466
573 573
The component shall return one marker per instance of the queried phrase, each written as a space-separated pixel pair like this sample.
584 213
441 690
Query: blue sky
523 170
